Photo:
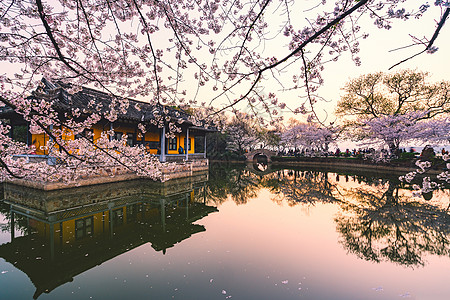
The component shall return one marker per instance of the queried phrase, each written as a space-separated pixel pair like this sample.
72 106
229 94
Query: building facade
188 144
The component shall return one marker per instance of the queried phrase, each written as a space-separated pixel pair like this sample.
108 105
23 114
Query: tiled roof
89 101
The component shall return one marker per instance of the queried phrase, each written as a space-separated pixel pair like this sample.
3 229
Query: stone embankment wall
180 170
37 201
169 171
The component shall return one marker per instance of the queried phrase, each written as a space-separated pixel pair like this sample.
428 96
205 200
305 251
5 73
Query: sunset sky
376 56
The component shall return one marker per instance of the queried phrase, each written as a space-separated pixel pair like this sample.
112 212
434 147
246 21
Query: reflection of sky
14 284
284 244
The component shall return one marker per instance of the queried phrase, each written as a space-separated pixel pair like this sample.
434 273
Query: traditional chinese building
188 144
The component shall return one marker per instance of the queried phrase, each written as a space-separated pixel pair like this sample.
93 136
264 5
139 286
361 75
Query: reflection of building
64 237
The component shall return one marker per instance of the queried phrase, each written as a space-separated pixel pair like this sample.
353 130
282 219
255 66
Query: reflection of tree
385 225
301 186
20 222
378 222
215 189
231 181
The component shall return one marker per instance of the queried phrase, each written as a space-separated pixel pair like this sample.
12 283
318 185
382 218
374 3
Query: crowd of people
336 153
427 152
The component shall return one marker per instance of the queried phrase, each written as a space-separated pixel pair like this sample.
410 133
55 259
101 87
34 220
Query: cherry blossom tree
310 137
216 54
241 134
397 130
394 108
383 94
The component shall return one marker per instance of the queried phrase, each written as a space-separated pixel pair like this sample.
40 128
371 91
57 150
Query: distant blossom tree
268 139
394 108
241 134
310 136
399 130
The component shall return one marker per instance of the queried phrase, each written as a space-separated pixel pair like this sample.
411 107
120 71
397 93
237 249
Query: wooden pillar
162 157
111 128
204 146
12 226
186 148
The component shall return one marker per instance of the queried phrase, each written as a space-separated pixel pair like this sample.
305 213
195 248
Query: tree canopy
395 108
389 94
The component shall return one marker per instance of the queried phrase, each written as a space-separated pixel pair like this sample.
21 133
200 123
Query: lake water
236 233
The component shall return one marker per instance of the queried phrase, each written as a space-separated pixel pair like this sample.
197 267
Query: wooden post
186 148
111 128
12 226
162 157
204 146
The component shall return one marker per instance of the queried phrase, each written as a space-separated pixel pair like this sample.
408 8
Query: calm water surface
234 234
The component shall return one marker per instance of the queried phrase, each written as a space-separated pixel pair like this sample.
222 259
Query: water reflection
302 187
386 224
54 236
65 233
379 220
235 182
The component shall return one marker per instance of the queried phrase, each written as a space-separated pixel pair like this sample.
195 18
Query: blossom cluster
83 159
309 136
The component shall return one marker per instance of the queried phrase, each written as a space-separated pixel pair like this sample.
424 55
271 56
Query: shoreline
343 164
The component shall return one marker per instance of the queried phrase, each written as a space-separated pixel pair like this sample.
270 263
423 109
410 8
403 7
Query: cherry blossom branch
155 60
430 43
31 114
308 91
298 49
317 34
86 17
49 32
10 172
250 27
117 28
56 140
60 56
187 51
